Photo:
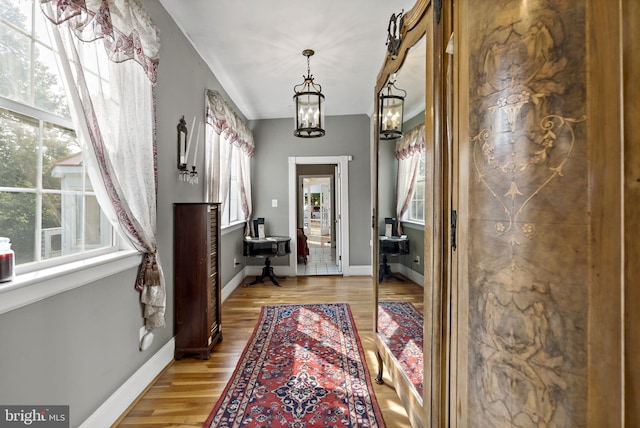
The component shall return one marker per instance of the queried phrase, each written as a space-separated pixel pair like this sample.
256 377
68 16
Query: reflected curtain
409 149
225 132
109 57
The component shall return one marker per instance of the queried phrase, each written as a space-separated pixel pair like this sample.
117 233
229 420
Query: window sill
232 227
413 225
38 285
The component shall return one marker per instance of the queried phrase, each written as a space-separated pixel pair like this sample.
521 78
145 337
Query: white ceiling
254 48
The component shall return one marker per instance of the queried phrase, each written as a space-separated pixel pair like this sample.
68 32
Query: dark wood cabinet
197 278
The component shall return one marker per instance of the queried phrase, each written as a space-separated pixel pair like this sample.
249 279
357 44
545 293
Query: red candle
7 261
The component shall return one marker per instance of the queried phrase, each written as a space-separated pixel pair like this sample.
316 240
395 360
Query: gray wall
78 347
387 177
346 135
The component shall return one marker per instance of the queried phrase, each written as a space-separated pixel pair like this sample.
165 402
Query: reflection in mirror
401 178
391 110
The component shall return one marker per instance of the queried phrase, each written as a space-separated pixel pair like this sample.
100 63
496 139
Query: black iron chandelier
391 110
308 96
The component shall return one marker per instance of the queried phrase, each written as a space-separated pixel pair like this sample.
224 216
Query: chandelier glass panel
309 117
391 111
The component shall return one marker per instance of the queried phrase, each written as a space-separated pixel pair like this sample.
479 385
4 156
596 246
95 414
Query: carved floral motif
523 142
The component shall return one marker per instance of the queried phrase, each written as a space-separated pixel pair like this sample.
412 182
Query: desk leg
267 272
385 271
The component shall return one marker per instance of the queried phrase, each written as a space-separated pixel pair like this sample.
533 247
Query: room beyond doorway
338 249
317 204
317 209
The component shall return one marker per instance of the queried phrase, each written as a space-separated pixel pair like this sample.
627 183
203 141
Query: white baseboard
117 404
254 270
228 288
408 272
414 276
360 270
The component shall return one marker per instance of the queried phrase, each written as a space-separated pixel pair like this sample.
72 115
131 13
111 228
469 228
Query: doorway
333 198
316 209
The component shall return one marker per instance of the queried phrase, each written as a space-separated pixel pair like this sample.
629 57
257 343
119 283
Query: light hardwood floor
185 393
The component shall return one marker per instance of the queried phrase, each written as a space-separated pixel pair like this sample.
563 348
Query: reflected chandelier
391 110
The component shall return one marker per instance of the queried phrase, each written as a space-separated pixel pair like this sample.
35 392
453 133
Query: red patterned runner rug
401 326
303 367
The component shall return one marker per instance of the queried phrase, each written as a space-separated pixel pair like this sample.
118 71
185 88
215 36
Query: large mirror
399 219
401 175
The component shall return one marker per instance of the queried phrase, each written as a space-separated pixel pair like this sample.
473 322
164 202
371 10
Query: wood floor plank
184 395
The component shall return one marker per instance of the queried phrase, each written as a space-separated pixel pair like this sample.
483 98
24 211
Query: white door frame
342 226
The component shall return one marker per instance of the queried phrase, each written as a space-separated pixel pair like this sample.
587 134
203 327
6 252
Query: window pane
18 12
62 166
233 187
49 90
51 240
421 167
97 231
17 222
420 210
18 150
419 192
416 208
15 57
41 30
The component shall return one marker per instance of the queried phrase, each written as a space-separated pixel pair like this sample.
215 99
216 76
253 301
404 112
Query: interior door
325 208
337 230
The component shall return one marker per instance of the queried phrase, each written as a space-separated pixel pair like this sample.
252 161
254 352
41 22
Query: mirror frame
431 409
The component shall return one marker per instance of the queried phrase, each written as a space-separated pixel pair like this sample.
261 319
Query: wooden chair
303 248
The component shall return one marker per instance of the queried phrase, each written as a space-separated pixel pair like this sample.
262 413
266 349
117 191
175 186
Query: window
48 207
416 207
232 211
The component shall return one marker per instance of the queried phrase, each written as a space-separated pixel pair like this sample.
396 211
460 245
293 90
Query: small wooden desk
391 246
271 246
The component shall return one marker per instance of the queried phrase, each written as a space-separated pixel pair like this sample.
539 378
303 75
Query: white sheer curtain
224 132
109 56
409 149
245 188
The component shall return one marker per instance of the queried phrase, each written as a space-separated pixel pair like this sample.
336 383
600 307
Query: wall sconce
308 97
184 145
394 33
391 110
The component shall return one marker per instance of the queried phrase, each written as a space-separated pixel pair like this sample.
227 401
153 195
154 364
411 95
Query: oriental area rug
303 367
400 326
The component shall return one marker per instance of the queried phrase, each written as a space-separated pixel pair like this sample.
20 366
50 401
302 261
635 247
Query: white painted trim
412 225
361 270
230 286
38 285
232 227
117 404
407 272
284 271
343 169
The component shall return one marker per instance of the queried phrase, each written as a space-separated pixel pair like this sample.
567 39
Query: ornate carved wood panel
528 227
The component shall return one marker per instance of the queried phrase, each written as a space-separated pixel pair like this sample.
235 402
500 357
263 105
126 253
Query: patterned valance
413 141
124 25
225 121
